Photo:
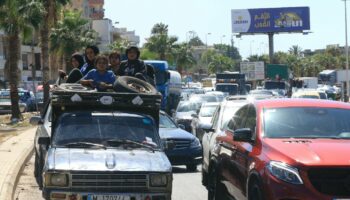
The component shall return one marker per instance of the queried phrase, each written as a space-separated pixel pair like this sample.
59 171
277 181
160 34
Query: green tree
220 63
160 42
51 11
195 41
120 45
295 50
228 51
18 17
255 58
148 55
70 35
183 57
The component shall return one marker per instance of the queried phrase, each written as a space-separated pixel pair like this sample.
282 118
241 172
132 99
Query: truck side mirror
44 141
168 75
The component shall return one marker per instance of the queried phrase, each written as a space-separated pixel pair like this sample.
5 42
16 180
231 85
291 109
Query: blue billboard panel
267 20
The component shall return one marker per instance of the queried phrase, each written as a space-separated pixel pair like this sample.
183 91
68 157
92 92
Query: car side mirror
168 75
243 135
182 126
169 145
44 141
207 127
36 120
194 115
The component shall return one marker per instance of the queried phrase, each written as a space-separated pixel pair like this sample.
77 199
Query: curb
12 177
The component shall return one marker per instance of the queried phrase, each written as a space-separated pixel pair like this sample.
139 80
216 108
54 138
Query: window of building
37 61
25 61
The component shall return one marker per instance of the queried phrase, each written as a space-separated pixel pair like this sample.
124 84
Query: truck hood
309 152
69 159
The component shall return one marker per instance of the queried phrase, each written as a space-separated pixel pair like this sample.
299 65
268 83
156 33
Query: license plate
108 197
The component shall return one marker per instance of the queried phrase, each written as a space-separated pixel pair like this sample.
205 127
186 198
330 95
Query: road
186 186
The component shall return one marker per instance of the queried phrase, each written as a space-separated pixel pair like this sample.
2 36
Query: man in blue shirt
99 78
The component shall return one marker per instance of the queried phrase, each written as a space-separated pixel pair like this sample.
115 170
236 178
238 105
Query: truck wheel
133 85
73 87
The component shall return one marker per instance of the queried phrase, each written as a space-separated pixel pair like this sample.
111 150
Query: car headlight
56 179
158 180
284 172
195 143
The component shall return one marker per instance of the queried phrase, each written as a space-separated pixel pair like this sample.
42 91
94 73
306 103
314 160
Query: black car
186 148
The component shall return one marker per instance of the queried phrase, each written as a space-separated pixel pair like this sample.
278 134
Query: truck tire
133 85
73 87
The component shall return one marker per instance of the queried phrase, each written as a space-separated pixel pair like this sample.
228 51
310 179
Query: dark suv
283 149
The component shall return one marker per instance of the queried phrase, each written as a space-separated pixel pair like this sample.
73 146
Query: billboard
267 20
253 70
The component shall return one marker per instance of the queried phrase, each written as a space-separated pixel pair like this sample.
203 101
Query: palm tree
183 56
220 63
160 42
295 50
17 17
160 28
70 35
51 9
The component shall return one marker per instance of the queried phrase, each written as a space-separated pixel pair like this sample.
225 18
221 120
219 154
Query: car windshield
165 122
99 127
207 110
307 122
187 107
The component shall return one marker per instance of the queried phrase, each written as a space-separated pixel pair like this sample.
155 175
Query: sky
327 21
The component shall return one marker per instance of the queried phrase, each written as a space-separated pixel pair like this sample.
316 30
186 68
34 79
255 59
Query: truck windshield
274 85
98 127
232 89
307 122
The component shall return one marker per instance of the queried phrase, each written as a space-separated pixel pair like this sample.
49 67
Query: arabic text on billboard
293 19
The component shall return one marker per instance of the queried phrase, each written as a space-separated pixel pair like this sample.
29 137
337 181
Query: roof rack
77 95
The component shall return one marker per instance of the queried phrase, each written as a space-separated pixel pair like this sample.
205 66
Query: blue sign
267 20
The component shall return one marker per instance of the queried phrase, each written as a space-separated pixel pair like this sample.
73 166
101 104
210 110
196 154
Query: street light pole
221 38
346 52
206 40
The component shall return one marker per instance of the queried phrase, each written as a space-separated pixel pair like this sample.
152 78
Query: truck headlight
158 180
284 172
56 179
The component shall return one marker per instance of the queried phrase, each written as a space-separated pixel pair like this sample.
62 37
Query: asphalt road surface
186 186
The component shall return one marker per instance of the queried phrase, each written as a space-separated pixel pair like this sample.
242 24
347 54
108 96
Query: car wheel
191 167
36 165
255 192
133 85
216 189
204 178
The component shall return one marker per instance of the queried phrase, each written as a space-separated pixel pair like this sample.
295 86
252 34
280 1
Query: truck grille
110 181
331 181
180 143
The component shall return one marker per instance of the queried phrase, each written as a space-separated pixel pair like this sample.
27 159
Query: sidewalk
14 153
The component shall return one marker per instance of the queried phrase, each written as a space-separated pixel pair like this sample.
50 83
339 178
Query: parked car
184 111
202 98
5 106
101 146
218 125
203 119
283 149
309 94
186 149
25 96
